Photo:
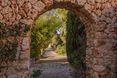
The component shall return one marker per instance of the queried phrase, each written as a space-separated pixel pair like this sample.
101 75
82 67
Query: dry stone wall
99 17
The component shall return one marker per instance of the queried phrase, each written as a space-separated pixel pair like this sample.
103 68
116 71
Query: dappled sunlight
56 58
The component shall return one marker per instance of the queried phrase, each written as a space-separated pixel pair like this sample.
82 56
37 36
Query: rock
95 75
81 2
12 76
25 44
1 17
39 6
99 68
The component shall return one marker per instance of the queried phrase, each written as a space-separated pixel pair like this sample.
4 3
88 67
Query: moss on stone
8 50
76 41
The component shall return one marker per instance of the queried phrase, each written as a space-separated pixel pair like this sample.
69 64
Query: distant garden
49 30
63 32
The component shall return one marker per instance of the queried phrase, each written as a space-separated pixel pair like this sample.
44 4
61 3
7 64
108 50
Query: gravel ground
53 67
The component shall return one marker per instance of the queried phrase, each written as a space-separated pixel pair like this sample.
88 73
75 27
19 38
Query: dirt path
53 67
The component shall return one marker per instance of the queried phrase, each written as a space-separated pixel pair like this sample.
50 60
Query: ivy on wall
8 51
76 42
18 29
9 40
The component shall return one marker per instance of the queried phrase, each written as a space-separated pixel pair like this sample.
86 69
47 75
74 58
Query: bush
35 54
61 49
44 30
36 73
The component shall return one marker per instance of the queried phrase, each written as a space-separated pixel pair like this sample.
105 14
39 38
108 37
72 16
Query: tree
44 30
76 43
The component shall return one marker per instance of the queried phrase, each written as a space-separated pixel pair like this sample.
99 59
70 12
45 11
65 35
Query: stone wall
99 17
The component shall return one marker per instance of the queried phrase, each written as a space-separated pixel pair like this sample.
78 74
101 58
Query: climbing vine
18 29
9 40
76 41
8 51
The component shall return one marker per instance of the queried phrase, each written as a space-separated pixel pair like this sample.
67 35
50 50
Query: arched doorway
75 42
88 30
23 52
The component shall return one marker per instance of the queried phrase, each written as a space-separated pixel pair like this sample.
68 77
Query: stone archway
99 17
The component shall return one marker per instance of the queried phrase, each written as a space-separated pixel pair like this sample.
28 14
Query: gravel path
53 67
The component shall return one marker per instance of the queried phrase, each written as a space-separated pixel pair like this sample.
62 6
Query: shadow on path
53 67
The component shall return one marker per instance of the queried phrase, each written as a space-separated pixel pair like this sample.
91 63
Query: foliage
61 49
36 73
9 40
44 30
76 41
60 40
42 33
18 29
8 51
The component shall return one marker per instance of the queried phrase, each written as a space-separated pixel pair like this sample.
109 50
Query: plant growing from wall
9 40
36 73
8 51
76 42
18 29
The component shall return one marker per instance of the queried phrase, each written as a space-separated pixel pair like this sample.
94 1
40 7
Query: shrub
36 73
61 49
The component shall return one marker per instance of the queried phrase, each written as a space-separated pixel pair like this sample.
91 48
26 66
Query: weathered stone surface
25 43
95 75
12 76
99 68
39 6
81 2
100 20
1 17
